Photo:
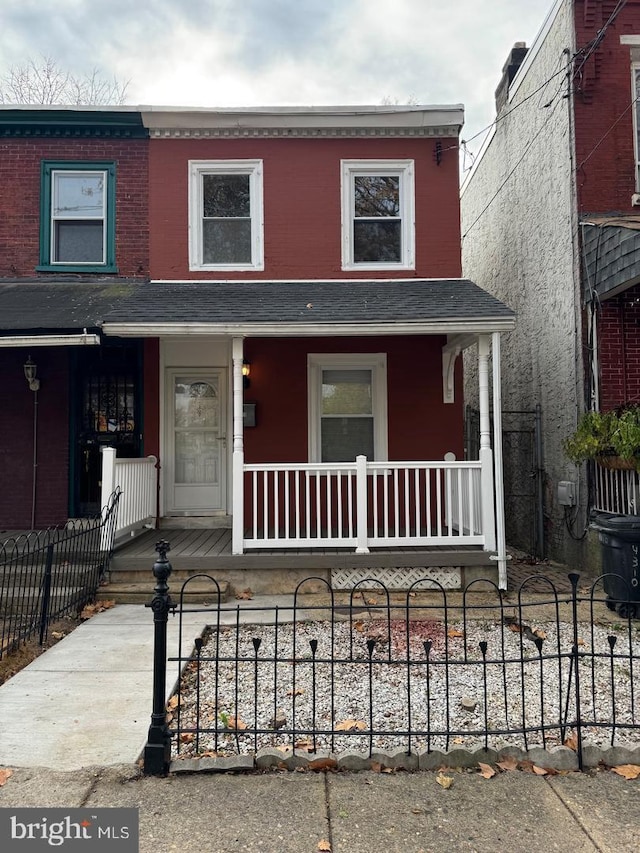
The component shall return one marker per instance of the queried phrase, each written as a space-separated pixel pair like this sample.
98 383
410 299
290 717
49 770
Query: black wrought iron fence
48 574
429 670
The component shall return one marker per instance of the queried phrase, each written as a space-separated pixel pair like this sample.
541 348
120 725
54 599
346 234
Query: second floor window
377 214
636 97
77 216
226 224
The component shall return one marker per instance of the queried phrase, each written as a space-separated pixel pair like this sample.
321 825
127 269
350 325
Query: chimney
509 70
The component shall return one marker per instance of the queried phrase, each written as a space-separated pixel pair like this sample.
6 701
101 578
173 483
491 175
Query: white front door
196 442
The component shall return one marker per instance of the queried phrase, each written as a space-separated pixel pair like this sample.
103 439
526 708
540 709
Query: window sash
226 224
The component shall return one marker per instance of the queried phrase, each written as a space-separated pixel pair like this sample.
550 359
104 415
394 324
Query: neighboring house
291 355
550 226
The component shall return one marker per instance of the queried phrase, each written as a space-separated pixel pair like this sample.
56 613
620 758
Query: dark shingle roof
76 305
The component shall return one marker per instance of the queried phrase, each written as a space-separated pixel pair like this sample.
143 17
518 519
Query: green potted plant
612 438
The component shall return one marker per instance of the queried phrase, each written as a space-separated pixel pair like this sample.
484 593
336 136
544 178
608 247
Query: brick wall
619 349
605 157
16 439
20 161
302 204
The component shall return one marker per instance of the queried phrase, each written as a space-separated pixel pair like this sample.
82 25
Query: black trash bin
620 541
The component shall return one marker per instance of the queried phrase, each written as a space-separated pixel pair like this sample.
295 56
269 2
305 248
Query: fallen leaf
351 726
297 692
372 601
304 745
173 702
359 626
58 635
581 642
324 845
627 771
245 595
444 781
515 628
90 610
187 737
458 740
376 767
323 764
453 633
236 724
571 742
388 770
539 771
4 775
486 771
540 633
508 763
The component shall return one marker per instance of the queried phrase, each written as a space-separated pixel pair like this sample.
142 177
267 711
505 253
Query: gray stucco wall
521 248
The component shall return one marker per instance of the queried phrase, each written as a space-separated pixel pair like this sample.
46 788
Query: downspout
501 541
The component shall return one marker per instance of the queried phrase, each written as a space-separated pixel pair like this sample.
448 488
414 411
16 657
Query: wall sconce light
246 372
30 371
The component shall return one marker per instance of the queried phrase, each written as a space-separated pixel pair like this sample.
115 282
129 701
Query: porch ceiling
258 307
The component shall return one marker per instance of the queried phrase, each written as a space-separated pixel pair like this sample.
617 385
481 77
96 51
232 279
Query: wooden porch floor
211 548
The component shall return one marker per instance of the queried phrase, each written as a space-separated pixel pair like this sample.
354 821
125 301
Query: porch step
198 592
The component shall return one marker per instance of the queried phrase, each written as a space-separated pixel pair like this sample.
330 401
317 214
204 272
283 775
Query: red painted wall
20 161
605 157
302 204
420 426
16 439
619 349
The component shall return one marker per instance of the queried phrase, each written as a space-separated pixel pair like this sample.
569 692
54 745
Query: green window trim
49 167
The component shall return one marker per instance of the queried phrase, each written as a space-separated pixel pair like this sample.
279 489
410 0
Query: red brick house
294 338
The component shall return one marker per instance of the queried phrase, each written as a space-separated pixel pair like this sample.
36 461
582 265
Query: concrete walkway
74 722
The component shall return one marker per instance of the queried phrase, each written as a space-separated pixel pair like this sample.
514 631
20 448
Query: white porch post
106 490
486 456
499 471
362 546
237 481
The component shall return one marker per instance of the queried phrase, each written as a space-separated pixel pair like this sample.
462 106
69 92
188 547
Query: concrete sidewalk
354 812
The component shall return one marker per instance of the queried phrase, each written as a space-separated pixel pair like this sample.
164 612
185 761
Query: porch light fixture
246 372
30 371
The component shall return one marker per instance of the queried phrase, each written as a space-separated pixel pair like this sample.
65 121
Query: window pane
345 438
377 195
78 195
377 241
346 392
226 241
78 242
226 195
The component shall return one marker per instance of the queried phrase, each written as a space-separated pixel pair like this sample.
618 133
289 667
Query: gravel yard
361 685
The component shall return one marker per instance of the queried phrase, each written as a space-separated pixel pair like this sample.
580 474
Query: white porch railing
363 504
616 491
138 481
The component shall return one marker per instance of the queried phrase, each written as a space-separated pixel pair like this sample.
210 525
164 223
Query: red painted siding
302 204
420 426
16 439
20 161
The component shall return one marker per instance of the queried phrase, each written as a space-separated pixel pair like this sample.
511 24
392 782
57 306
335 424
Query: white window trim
635 67
199 168
78 218
377 363
405 170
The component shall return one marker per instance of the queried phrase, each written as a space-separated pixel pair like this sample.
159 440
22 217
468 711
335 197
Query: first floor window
78 216
347 406
226 215
377 214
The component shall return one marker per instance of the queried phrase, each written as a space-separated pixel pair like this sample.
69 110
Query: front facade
549 226
286 347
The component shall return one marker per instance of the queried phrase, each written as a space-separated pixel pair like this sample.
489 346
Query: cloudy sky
281 52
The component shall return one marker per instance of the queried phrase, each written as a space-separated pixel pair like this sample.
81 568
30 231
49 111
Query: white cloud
260 52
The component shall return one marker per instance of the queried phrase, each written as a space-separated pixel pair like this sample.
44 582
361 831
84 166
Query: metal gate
523 474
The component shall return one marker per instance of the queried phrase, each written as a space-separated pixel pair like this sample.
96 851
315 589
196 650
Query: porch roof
257 307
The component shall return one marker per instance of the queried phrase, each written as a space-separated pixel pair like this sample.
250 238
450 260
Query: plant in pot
612 439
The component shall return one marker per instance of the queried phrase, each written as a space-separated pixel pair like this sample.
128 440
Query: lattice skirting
400 578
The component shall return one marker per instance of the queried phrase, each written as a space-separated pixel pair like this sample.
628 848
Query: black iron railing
427 670
48 574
